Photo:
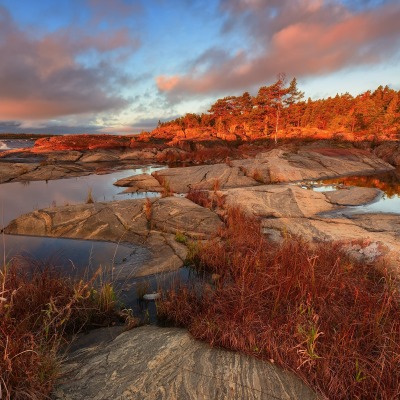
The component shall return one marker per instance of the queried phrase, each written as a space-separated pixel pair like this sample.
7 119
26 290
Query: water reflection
75 256
387 182
17 198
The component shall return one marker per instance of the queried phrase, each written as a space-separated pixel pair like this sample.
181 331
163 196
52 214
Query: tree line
281 106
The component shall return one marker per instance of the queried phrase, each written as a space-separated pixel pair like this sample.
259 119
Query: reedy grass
89 197
39 311
309 308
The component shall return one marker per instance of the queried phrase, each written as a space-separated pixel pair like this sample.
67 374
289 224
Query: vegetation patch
309 308
204 198
39 310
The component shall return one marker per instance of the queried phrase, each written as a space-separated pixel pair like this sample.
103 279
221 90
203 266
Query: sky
120 66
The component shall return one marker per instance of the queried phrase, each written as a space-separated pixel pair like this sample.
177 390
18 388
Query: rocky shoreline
263 186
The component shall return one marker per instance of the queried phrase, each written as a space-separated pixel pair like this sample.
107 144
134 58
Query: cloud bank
46 76
299 37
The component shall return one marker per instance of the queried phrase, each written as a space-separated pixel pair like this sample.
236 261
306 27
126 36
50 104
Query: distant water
8 144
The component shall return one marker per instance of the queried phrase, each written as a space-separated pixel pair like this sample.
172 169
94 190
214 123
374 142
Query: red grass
200 197
204 198
38 308
309 308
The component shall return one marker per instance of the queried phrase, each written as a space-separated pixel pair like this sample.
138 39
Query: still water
19 198
387 182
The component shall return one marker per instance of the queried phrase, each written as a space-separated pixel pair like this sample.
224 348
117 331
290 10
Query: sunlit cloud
41 77
299 37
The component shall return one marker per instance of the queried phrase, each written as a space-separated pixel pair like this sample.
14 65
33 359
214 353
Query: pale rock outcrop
269 167
126 221
208 177
150 363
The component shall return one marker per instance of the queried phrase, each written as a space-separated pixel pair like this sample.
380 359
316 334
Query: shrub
257 176
206 199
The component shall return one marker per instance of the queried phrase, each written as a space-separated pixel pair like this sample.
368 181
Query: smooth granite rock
140 183
279 165
289 209
353 196
126 221
150 363
269 167
207 177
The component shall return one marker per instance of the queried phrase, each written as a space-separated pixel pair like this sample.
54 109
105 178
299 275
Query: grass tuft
89 197
39 311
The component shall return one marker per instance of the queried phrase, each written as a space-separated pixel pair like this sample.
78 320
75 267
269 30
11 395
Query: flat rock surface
166 363
178 214
126 221
277 201
279 165
206 177
23 172
11 171
352 196
269 167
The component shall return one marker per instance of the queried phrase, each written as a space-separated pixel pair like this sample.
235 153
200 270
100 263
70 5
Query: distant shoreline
32 136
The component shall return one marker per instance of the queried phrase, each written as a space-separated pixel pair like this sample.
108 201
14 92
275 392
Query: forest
281 107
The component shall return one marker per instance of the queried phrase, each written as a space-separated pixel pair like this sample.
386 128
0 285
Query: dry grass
257 176
89 197
204 198
39 309
309 308
166 187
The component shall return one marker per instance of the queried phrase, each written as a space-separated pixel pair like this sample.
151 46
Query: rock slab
150 363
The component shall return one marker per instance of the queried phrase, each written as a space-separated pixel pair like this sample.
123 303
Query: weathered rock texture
285 166
166 363
285 209
131 221
269 167
352 196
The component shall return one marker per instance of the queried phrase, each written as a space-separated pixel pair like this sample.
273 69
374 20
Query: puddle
77 257
82 258
387 182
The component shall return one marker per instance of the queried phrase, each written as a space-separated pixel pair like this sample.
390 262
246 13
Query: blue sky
119 66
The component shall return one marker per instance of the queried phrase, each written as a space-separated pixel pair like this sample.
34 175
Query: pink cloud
167 83
299 37
41 77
